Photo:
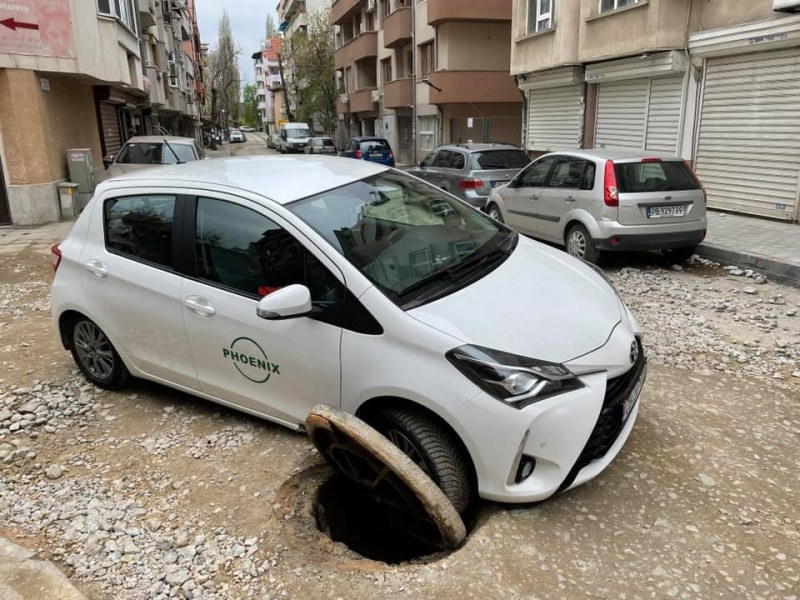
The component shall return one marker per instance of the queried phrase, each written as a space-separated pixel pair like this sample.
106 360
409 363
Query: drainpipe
414 81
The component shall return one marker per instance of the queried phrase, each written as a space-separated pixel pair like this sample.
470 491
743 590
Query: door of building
405 137
5 212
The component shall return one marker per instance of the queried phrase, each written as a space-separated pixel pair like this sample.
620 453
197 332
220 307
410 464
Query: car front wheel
433 448
580 244
96 356
495 213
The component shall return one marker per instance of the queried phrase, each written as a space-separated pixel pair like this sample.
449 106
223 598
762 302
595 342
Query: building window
607 5
173 70
120 9
540 15
385 8
427 133
426 60
386 70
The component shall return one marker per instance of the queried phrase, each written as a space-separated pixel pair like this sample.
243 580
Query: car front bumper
616 237
571 437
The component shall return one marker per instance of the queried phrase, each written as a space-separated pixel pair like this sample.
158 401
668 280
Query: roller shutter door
621 114
555 118
112 140
664 115
748 148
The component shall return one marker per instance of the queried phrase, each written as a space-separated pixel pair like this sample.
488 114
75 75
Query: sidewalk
770 247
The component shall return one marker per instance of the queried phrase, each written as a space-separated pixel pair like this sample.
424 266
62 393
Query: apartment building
268 79
425 73
75 75
713 82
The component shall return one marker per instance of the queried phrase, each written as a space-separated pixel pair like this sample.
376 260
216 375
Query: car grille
609 423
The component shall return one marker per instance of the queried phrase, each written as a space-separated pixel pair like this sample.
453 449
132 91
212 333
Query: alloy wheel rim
494 213
577 244
94 350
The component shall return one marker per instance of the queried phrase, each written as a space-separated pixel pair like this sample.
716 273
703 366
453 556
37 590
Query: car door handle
200 305
534 196
569 199
96 268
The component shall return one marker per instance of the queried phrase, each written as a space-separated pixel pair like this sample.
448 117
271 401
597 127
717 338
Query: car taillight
651 160
688 164
359 154
610 192
469 183
57 253
391 154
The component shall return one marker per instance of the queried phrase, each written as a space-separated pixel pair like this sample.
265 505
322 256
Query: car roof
283 179
172 139
616 154
480 147
368 138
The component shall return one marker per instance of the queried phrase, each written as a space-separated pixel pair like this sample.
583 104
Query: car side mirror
108 159
285 303
421 164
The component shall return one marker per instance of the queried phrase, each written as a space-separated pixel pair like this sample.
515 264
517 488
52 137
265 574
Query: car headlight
518 381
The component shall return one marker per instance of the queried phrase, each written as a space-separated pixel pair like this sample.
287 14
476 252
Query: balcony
460 87
363 46
397 93
361 101
397 28
344 9
440 11
147 12
287 9
157 93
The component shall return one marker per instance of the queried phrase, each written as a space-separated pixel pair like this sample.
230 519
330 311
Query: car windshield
374 145
155 153
499 159
300 132
412 240
654 176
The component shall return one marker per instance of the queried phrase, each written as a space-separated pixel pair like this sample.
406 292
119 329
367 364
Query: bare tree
271 29
223 78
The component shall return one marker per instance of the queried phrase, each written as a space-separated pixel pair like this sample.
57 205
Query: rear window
499 159
672 175
322 142
327 142
155 153
374 146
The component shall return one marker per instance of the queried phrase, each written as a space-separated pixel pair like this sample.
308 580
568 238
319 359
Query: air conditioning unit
786 5
344 98
371 5
376 95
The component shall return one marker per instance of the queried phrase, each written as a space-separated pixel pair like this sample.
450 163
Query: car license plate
665 212
499 183
630 401
376 154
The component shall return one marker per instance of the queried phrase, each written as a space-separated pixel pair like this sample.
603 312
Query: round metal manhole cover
364 456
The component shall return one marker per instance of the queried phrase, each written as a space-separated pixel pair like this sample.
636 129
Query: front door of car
131 284
424 170
561 195
521 197
279 368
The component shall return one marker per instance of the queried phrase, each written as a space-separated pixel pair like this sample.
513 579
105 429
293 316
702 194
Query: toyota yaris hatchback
272 284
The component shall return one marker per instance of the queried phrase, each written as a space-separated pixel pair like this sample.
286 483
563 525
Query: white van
293 137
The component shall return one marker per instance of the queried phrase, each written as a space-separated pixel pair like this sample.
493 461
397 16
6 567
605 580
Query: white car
497 363
235 136
152 151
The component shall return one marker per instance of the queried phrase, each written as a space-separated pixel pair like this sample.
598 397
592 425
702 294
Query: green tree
250 105
312 55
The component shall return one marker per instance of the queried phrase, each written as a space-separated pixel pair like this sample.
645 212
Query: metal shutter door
748 149
664 115
621 114
555 118
112 141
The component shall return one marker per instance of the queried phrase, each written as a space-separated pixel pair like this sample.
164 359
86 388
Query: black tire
96 356
581 245
433 448
494 211
680 255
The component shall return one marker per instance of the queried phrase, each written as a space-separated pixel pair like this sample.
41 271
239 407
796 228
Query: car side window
354 145
140 227
587 181
567 173
428 160
443 158
457 161
241 249
536 173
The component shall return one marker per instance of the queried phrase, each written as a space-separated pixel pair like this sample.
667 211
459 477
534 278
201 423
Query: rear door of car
377 150
496 167
454 172
654 191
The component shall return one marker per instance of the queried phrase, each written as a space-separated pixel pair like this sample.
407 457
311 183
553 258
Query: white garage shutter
664 115
555 118
748 151
621 114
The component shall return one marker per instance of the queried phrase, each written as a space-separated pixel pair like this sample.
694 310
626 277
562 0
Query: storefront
555 109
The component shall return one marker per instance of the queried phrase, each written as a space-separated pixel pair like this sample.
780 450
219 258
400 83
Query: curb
774 269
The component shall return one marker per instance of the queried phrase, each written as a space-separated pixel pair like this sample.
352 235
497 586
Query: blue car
373 149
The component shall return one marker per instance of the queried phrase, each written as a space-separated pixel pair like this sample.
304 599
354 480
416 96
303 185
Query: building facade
714 83
268 81
77 75
425 73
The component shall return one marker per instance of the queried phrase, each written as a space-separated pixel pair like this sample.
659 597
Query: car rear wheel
580 244
433 448
494 212
96 356
679 255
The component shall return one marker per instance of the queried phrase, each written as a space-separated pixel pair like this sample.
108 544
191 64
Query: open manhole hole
379 503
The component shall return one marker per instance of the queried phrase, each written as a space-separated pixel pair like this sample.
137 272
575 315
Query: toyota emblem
634 352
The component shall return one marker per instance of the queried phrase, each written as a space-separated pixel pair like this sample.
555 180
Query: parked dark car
373 149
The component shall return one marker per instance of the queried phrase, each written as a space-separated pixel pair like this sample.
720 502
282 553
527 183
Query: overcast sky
248 22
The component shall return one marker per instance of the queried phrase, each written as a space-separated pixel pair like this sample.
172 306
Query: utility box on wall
79 162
